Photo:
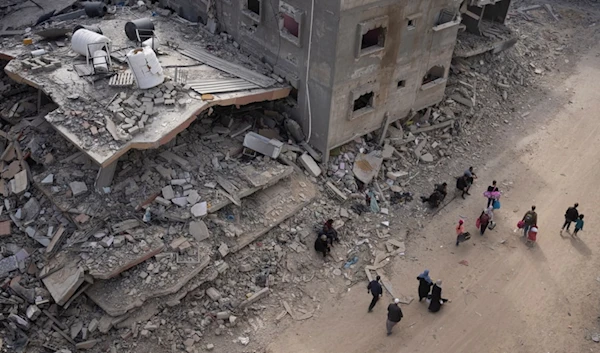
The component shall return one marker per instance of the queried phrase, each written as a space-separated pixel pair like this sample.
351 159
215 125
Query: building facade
351 62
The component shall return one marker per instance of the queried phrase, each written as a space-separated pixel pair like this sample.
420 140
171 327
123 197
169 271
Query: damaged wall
374 52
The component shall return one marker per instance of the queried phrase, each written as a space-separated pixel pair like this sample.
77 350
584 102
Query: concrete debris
63 283
199 230
310 165
200 209
366 166
213 294
78 188
255 297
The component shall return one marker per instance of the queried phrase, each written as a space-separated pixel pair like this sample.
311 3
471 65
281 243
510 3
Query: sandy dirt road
510 298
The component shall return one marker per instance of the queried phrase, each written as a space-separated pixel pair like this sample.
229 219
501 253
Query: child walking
578 224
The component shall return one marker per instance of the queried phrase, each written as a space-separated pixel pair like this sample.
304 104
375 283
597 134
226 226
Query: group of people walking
431 292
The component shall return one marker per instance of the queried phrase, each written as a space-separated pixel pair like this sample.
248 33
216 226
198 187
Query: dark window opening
445 16
433 74
254 6
411 24
364 101
374 37
291 25
401 83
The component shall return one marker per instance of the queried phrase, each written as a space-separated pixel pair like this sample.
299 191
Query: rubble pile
195 241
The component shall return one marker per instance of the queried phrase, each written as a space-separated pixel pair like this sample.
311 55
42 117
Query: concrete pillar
105 176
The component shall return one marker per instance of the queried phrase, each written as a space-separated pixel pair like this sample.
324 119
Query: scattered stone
337 272
200 209
107 241
118 241
223 249
5 228
93 325
168 192
223 315
180 201
213 294
78 188
33 312
427 158
49 179
76 328
199 230
210 347
244 340
246 267
310 165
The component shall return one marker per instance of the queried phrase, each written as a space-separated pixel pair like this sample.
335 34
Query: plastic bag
496 204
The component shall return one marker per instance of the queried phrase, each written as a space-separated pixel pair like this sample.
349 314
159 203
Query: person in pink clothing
461 235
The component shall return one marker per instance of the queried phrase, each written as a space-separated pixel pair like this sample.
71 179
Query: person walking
374 287
529 220
436 300
491 193
394 316
462 185
578 225
571 215
322 245
461 235
470 178
483 221
425 284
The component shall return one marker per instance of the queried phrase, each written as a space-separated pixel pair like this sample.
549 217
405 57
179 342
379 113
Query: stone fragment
210 347
223 315
199 230
200 209
309 164
213 294
180 201
168 193
193 197
427 158
5 228
118 241
87 344
49 179
78 188
20 183
93 325
33 312
63 283
19 321
76 328
107 241
223 249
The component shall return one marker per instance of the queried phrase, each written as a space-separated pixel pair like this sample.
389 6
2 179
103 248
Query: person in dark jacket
425 284
394 316
462 185
322 245
330 232
570 216
376 291
435 299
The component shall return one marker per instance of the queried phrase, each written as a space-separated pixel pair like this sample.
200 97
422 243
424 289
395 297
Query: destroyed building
367 62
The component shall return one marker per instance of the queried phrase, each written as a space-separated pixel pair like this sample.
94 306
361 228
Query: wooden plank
231 68
56 240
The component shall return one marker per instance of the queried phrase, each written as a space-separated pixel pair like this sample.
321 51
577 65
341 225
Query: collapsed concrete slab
118 296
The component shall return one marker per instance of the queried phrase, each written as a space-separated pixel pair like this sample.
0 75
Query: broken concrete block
19 321
366 166
33 312
223 315
78 188
107 241
118 241
31 209
213 294
37 236
168 193
309 164
269 147
223 249
63 283
200 209
49 179
255 297
193 197
395 175
246 267
5 228
199 230
180 201
427 158
87 344
20 183
105 324
76 328
162 201
93 325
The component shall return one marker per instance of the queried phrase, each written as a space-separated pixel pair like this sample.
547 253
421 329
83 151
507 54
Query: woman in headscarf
485 218
425 284
435 299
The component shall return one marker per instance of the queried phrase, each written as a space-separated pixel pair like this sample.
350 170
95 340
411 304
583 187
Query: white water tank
145 67
84 38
